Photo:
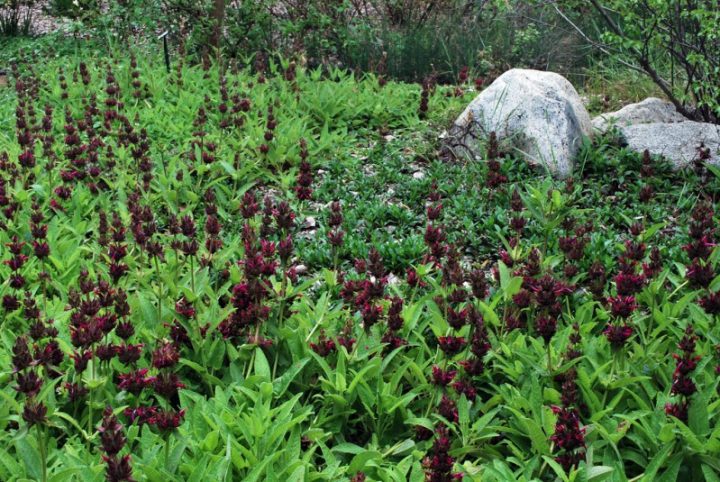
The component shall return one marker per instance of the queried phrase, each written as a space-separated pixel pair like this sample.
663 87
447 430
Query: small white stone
309 223
418 175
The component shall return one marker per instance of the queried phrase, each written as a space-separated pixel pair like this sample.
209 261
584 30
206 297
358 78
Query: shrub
489 36
418 38
675 42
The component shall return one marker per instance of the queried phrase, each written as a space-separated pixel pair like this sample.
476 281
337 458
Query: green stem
192 273
275 363
434 393
42 448
167 453
281 313
160 288
336 258
549 358
90 417
431 404
544 465
44 289
612 373
250 365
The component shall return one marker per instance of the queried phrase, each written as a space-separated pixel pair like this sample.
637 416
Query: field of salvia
269 273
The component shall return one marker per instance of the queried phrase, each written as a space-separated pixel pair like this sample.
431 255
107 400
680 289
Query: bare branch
602 47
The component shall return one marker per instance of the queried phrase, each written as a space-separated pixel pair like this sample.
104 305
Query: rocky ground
42 22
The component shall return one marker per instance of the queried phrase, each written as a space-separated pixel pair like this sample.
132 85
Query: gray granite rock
678 142
539 114
650 110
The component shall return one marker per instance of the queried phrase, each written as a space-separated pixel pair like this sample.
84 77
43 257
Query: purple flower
165 355
167 420
546 327
136 381
618 335
442 377
622 306
451 345
111 433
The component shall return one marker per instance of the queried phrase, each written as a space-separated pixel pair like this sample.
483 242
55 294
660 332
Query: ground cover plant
268 273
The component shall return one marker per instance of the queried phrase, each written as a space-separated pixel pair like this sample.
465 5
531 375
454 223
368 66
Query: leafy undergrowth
269 276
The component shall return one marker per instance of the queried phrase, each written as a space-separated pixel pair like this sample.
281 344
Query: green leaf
599 472
11 465
698 417
281 384
360 460
30 456
400 447
255 474
657 462
559 471
709 473
262 367
348 448
670 475
689 436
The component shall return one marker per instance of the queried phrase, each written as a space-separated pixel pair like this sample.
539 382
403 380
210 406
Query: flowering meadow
276 273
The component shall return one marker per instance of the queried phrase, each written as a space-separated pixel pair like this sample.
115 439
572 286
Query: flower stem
90 417
192 273
44 288
549 358
42 448
160 288
167 453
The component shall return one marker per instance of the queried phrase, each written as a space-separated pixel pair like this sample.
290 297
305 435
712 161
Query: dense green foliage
478 300
417 38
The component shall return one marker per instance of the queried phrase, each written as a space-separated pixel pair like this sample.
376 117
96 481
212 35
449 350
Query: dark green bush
487 36
420 37
417 38
675 42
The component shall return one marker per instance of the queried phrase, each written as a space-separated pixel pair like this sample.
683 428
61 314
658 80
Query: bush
418 37
675 42
488 36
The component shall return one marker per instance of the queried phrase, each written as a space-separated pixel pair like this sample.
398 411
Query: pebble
309 223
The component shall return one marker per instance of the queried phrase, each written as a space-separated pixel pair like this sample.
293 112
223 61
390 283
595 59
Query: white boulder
539 114
650 110
678 142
